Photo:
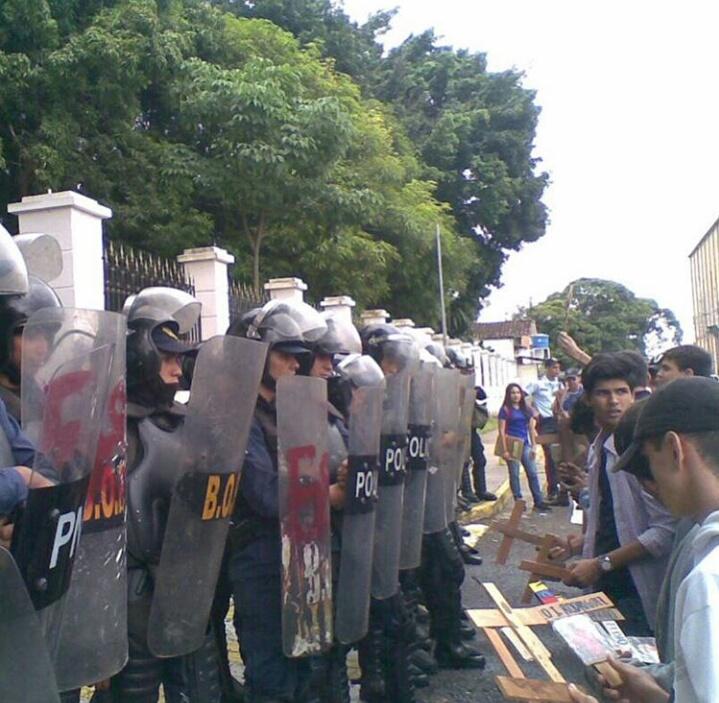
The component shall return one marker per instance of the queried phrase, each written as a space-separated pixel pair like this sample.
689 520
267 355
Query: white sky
629 132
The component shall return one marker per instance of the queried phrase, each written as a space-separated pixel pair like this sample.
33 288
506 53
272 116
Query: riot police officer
440 577
254 562
387 673
154 369
15 311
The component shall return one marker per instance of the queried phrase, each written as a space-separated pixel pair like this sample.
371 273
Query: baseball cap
686 406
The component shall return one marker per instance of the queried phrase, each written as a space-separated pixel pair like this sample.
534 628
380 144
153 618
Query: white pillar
75 221
286 289
340 306
207 268
374 317
403 322
425 330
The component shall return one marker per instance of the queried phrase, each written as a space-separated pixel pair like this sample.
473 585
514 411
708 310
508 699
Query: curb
487 510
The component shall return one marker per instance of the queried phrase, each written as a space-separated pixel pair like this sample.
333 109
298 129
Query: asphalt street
471 685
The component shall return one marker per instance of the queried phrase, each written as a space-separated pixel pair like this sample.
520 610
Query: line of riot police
311 479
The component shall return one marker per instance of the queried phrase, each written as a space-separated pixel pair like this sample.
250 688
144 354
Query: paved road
471 686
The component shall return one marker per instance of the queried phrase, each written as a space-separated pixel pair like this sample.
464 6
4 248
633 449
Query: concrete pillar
403 322
207 268
286 289
75 221
425 330
374 317
340 306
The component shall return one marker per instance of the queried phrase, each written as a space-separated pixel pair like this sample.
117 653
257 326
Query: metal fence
244 298
129 270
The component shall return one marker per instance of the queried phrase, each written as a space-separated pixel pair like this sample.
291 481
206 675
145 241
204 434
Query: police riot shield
26 671
63 398
392 471
466 411
93 637
304 515
455 447
421 401
358 521
212 443
446 403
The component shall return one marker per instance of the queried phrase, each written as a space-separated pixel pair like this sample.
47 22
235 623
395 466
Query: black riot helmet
386 344
15 310
13 270
153 330
437 351
459 360
291 327
341 337
354 371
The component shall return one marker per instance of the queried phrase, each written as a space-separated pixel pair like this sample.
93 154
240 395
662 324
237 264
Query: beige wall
704 264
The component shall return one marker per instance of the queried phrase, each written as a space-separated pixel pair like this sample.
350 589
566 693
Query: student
678 432
542 394
629 534
685 360
517 421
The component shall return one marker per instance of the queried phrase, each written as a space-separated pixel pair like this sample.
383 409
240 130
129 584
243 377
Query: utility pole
441 286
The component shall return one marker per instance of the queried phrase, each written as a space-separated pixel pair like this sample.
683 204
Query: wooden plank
545 570
513 638
505 656
548 543
533 690
515 533
503 552
534 644
546 614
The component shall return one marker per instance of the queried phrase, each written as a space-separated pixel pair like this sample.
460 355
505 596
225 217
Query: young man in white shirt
542 394
678 431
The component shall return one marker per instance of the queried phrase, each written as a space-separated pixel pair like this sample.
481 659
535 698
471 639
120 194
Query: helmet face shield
13 271
161 304
287 321
399 353
360 370
343 334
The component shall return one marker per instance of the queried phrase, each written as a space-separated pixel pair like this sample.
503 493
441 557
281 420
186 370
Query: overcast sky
629 132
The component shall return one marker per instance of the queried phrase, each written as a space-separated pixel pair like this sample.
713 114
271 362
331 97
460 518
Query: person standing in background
542 394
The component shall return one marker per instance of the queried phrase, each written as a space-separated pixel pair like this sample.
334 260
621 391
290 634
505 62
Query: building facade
704 267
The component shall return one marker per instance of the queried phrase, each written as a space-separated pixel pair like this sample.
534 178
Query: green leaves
606 316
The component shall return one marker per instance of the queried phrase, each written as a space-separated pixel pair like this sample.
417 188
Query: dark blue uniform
255 569
13 489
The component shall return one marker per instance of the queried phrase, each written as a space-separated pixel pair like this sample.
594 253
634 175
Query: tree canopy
279 130
606 316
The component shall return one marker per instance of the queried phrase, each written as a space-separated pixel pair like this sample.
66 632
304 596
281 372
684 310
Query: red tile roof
509 329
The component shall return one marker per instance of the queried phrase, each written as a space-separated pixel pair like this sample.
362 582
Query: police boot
466 489
451 651
337 680
398 674
372 688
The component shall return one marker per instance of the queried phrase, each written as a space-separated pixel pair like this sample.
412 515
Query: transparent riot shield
421 402
358 522
93 637
212 439
452 449
304 515
26 672
392 471
63 398
446 397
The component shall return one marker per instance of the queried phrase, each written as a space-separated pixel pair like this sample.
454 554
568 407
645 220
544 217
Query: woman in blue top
517 420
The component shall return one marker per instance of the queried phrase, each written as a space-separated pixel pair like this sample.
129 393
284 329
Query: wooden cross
516 686
543 566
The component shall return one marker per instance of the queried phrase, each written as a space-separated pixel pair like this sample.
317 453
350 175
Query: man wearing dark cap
629 534
678 433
